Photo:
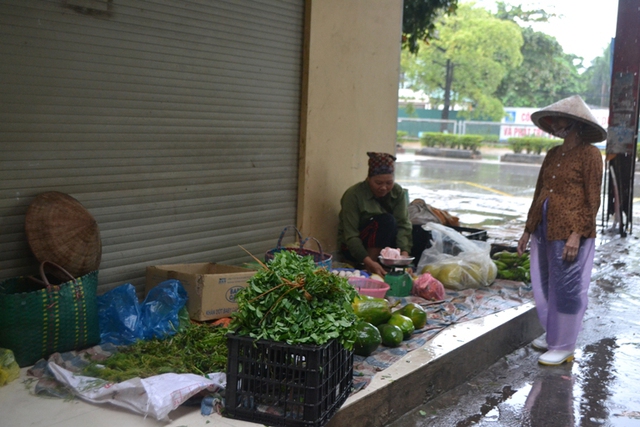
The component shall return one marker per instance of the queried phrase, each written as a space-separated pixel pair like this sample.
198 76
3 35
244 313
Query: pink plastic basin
372 288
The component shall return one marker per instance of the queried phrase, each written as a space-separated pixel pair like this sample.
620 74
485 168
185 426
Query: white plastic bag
446 240
457 262
154 396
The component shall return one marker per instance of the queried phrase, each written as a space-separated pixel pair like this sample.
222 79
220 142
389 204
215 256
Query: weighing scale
399 281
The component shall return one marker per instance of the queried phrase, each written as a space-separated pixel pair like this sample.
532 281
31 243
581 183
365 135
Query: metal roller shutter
175 123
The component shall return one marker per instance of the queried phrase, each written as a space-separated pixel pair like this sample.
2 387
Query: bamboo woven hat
573 108
59 229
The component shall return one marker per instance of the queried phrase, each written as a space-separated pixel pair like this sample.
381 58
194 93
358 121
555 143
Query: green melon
367 340
416 313
404 323
391 335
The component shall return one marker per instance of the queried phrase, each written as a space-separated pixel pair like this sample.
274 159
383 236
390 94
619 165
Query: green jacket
358 205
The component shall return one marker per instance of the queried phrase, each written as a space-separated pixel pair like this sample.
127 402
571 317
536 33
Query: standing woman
561 225
374 215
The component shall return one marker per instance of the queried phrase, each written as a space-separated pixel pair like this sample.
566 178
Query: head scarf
381 163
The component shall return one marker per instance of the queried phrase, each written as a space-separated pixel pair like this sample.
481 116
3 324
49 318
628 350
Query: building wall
349 106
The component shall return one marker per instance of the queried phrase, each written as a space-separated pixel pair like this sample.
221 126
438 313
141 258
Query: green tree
597 80
545 76
418 20
465 62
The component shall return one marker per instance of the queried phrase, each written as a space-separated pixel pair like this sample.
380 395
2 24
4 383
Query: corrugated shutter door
176 124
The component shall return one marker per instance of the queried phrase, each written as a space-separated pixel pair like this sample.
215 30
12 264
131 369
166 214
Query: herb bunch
292 300
197 349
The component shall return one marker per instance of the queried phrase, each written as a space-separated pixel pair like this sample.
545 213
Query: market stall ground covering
467 323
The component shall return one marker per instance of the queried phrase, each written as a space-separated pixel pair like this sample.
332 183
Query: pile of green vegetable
289 300
379 325
292 300
197 348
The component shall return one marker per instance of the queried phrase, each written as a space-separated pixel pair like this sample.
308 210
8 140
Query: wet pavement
486 194
602 386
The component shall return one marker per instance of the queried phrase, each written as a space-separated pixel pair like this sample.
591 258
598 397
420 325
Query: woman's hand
523 242
570 251
373 267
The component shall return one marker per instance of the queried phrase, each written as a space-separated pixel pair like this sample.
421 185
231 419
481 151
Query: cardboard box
211 287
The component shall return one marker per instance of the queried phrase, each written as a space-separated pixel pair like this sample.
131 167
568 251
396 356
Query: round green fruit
416 313
391 335
404 323
367 340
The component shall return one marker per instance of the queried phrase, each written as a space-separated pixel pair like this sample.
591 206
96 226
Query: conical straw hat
59 229
573 108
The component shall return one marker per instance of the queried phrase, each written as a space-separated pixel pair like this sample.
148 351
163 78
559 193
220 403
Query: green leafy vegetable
198 349
292 300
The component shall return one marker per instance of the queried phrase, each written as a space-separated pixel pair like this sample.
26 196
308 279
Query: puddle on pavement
596 390
495 407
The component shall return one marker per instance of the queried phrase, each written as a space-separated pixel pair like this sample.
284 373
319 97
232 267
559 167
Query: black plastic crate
286 385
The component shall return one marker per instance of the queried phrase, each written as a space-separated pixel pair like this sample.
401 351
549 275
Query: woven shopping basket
38 319
320 258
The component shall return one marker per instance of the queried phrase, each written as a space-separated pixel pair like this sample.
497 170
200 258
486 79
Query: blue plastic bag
124 320
160 310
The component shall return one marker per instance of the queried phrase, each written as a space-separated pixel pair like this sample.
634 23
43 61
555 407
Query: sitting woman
374 215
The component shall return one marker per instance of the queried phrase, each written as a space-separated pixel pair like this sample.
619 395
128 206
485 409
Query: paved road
602 386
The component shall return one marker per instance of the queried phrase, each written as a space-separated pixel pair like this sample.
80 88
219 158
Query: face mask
562 133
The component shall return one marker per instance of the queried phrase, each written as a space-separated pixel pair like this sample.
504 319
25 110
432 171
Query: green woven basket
38 319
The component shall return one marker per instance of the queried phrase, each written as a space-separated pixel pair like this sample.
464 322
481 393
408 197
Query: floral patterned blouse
571 181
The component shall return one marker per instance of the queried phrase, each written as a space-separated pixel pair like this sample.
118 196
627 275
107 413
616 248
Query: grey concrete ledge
449 152
451 358
522 158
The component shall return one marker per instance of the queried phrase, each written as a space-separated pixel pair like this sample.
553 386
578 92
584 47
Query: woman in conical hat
561 225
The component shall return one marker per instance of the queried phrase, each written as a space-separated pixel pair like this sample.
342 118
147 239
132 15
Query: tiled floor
20 408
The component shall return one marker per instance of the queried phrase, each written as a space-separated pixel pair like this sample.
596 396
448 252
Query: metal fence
479 128
416 127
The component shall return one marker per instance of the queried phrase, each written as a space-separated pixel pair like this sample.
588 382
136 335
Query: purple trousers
560 287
